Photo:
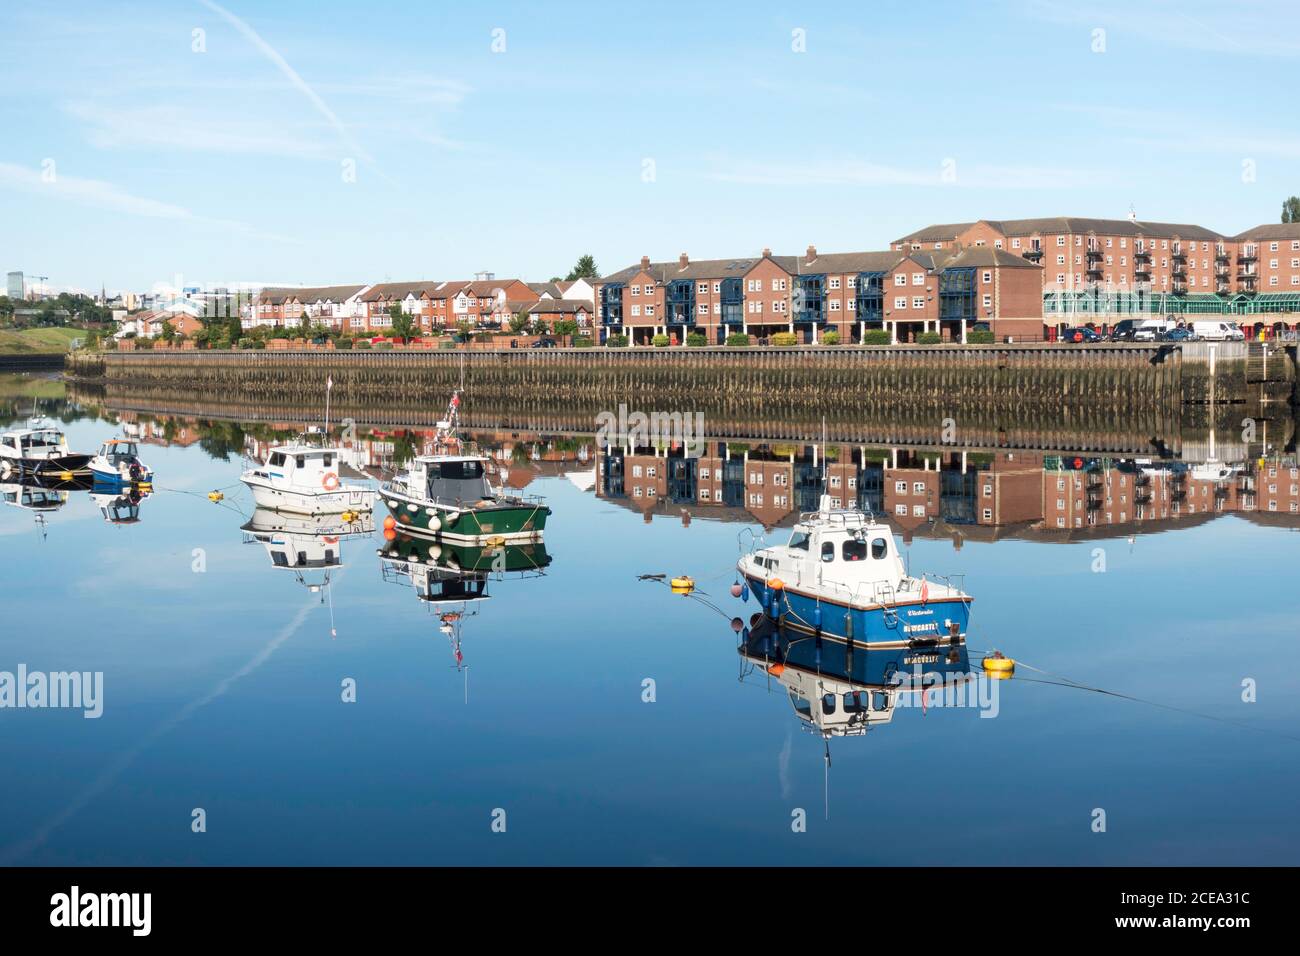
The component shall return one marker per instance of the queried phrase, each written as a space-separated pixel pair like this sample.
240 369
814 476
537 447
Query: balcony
1094 273
1178 256
1141 254
1033 255
1142 274
1095 255
1221 256
1246 256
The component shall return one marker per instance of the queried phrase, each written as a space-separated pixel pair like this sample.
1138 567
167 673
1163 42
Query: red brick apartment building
905 292
1188 269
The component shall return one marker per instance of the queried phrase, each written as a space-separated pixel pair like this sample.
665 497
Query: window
900 487
828 551
988 301
649 290
649 310
918 278
900 279
852 550
835 282
799 540
900 302
987 277
918 302
635 289
704 288
918 487
900 510
918 511
879 548
636 310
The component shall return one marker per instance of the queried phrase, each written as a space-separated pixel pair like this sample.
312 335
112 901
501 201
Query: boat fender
452 518
744 592
848 625
434 524
736 589
682 585
390 523
330 481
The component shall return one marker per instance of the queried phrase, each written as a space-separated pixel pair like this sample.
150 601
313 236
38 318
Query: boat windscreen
457 481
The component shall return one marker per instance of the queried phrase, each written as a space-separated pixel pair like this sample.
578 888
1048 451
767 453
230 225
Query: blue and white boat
840 575
118 463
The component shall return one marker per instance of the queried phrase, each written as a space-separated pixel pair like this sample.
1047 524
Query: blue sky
226 165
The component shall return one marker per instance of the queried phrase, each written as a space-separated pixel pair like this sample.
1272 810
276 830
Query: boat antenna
826 779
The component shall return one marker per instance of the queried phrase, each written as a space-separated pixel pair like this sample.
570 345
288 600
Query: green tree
1291 209
585 268
519 322
403 325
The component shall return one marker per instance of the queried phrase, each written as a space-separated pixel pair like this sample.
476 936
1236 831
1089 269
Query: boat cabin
33 444
33 497
120 451
840 551
303 466
835 708
450 480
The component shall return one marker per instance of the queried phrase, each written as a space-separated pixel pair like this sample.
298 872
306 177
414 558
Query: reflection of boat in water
310 547
41 495
840 688
119 504
449 493
304 479
451 578
39 450
118 463
840 575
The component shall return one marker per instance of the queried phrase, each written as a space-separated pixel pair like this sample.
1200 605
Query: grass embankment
42 340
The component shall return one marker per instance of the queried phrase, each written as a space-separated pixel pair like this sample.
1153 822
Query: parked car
1217 330
1148 330
1123 330
1183 334
544 343
1084 333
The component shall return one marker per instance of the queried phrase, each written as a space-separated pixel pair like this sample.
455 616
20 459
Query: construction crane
41 278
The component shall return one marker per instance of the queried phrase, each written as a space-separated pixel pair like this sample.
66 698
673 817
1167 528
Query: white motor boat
38 450
304 479
118 463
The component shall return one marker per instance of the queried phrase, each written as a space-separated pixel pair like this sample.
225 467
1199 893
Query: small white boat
304 479
118 463
38 450
306 545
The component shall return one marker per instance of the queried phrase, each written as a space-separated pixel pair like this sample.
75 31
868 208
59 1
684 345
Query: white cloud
105 195
169 127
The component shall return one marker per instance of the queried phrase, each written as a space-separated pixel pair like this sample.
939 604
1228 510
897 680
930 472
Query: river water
254 712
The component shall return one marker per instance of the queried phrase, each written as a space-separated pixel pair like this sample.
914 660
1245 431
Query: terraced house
947 291
1107 268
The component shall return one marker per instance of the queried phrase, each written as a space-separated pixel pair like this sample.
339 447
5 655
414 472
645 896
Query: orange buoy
776 670
389 523
776 584
390 534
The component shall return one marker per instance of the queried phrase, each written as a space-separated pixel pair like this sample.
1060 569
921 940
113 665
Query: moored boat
304 479
39 450
118 463
450 494
840 575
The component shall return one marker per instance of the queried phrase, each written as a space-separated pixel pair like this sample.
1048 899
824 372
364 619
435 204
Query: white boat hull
303 503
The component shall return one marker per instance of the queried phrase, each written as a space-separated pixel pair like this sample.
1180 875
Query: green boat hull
509 519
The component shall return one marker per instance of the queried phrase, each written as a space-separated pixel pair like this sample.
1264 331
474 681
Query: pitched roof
278 295
1066 224
988 256
842 263
399 290
561 306
1271 230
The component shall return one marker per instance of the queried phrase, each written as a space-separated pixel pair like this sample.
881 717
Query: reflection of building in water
964 494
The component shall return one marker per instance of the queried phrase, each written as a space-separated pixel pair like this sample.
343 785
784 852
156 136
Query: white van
1149 330
1218 331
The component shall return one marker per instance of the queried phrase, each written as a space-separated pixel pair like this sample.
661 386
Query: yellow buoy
349 516
496 541
65 476
995 665
776 584
215 496
682 585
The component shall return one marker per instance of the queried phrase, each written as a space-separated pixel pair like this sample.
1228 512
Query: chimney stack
812 253
767 253
645 263
683 260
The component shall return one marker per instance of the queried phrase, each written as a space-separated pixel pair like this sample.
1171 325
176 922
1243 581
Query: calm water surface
222 691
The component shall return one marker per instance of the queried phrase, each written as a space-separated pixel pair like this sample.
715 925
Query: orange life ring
330 481
331 539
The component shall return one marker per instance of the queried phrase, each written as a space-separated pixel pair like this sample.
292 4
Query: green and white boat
450 494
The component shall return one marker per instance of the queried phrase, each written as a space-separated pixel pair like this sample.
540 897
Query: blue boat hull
905 624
